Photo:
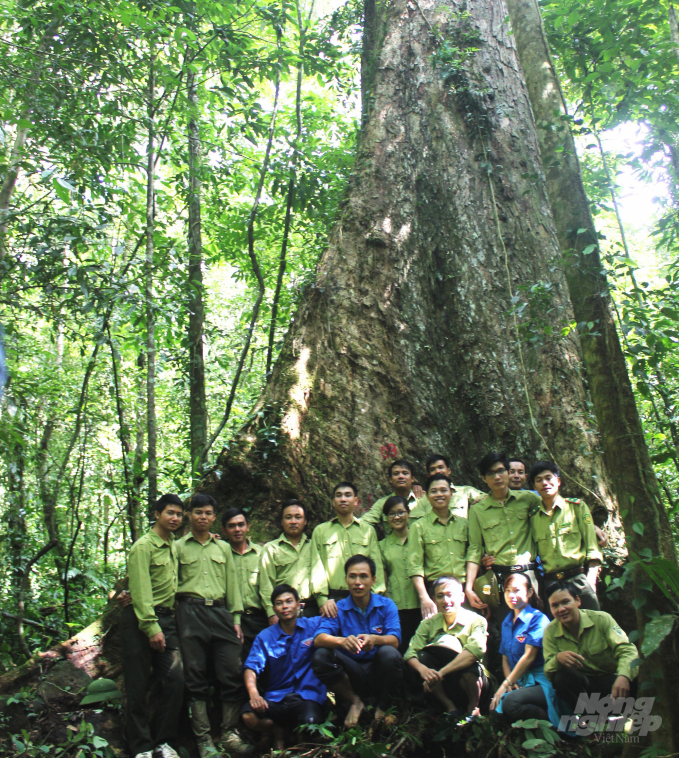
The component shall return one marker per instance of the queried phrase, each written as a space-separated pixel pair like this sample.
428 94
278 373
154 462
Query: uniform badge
308 643
521 638
377 629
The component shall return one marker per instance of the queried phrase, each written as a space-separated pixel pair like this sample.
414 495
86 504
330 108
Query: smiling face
170 518
449 597
398 517
565 607
517 593
344 501
202 518
236 530
401 478
359 580
439 494
517 475
438 467
547 483
286 607
293 521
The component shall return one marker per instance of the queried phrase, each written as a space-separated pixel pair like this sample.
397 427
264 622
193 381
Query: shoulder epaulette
574 500
533 510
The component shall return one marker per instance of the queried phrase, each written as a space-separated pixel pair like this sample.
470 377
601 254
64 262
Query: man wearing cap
208 616
565 537
148 635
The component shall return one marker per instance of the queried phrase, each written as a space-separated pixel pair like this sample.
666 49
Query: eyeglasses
398 514
497 472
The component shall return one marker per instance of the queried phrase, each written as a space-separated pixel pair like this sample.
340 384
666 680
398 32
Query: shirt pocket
253 577
333 548
219 567
570 537
435 549
160 566
492 534
188 567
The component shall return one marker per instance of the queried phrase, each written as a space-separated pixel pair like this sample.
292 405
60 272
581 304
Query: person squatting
465 589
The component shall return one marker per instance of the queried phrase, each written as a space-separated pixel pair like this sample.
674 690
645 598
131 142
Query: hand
601 537
498 696
417 491
124 599
352 644
621 687
428 608
593 575
273 620
329 609
488 561
157 642
474 600
258 704
571 660
430 677
239 633
368 641
215 536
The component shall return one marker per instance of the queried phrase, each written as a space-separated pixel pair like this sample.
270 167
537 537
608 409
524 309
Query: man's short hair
283 589
403 463
294 501
434 458
230 513
342 485
391 502
445 580
361 559
436 478
489 460
168 499
514 459
541 466
202 501
562 586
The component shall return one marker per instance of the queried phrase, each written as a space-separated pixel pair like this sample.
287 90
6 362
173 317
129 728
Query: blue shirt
380 617
527 629
289 660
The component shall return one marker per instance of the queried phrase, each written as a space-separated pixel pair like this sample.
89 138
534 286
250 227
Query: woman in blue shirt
526 693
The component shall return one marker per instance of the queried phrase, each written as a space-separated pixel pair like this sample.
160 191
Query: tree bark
624 446
408 336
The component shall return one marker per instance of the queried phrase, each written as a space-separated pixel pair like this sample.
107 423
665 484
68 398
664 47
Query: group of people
277 627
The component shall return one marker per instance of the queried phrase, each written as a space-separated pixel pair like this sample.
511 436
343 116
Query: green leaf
589 249
638 528
99 742
656 631
532 744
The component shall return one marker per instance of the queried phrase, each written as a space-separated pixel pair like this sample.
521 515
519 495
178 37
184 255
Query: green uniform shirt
282 563
395 561
502 531
152 568
435 549
600 641
247 574
331 547
375 515
469 632
565 539
208 571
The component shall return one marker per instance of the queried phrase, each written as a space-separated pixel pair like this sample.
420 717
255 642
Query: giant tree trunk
408 335
624 446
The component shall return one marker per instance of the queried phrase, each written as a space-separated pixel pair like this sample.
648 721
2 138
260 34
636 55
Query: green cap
100 690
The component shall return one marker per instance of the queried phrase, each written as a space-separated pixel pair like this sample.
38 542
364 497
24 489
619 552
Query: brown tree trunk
408 336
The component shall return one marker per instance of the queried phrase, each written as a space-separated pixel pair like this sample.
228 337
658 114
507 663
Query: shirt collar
433 516
527 612
585 622
284 538
158 541
190 536
559 502
375 600
248 547
354 521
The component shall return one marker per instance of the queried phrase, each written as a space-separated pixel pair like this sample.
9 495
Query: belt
163 610
566 573
514 569
338 593
253 611
220 603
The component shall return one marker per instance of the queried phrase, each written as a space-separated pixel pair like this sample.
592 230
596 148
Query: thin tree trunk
625 450
151 428
197 400
674 29
23 591
138 465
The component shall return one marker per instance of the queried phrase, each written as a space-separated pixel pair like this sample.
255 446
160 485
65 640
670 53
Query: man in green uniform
287 560
518 476
437 543
208 616
402 481
333 543
463 495
564 534
444 656
148 635
245 554
586 651
499 526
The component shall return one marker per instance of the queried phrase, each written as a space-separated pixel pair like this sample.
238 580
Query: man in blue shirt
357 654
294 694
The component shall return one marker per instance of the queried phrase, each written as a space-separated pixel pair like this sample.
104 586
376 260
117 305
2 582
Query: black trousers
206 634
436 657
380 677
253 621
139 661
292 710
410 619
570 683
525 703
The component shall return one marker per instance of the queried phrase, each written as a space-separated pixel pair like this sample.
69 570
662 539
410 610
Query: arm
374 515
234 600
349 644
257 702
505 686
267 580
319 575
371 641
461 661
427 605
380 586
139 569
626 655
391 630
472 571
593 555
416 570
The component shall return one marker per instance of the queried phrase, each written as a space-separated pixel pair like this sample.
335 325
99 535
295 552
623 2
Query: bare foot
379 715
354 714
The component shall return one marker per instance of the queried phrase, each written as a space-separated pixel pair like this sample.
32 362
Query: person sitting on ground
333 543
357 655
294 695
437 543
402 481
287 560
564 534
400 589
525 693
446 652
585 650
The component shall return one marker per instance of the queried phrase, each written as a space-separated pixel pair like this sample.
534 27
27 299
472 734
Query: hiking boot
200 723
230 741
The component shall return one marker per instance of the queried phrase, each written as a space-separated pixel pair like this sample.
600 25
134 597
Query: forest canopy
171 176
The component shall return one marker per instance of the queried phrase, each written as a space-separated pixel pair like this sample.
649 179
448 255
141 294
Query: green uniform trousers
139 660
208 639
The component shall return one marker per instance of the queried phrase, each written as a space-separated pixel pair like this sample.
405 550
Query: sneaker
145 754
165 751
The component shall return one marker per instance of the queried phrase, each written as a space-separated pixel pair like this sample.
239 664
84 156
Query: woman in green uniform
394 549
